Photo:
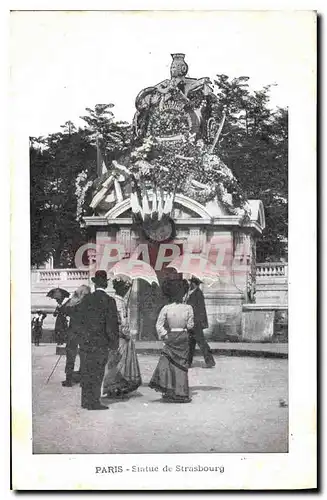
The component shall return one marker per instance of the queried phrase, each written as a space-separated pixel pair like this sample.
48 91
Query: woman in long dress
174 322
122 375
61 324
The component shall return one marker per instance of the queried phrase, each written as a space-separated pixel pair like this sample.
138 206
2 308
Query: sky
63 62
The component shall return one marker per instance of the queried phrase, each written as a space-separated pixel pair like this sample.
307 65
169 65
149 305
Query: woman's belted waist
177 329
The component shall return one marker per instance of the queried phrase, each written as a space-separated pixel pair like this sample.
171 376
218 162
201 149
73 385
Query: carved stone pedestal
202 231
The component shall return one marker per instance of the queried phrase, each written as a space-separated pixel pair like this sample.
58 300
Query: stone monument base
224 310
264 323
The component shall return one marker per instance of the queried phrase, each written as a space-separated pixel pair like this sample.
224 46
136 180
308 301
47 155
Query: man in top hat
195 298
100 334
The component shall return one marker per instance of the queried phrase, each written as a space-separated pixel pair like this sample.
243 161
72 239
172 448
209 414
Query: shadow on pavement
122 399
167 402
198 364
205 388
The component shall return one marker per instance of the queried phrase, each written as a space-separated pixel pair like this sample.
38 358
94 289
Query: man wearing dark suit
100 334
195 298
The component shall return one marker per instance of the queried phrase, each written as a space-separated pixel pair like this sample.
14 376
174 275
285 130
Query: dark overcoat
99 334
99 322
196 300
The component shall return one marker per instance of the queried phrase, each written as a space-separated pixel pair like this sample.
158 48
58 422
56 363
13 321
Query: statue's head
178 66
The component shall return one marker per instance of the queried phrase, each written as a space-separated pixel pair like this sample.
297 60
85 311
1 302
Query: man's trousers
92 376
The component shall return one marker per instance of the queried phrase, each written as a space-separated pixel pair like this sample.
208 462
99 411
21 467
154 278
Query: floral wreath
172 166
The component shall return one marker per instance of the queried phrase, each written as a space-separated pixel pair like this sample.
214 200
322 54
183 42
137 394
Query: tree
41 214
63 167
254 145
111 136
54 195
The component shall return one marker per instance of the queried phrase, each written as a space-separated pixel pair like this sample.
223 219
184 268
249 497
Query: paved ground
235 408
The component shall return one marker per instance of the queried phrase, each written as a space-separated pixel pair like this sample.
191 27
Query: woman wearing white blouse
174 322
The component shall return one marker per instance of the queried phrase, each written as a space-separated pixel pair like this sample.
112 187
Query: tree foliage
41 213
62 168
113 137
56 228
254 145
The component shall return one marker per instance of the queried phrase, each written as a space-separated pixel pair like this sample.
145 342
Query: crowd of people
99 330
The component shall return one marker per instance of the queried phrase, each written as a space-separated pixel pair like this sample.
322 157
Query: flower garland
164 164
224 185
172 165
168 122
81 187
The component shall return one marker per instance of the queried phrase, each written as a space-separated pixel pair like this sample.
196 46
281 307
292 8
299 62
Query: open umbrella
196 265
131 269
58 294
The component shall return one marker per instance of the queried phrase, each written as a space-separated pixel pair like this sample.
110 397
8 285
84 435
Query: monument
172 195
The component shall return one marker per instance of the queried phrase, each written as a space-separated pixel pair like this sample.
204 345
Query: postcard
163 200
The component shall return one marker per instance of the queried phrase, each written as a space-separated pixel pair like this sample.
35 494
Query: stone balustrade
270 270
56 276
272 283
42 280
266 271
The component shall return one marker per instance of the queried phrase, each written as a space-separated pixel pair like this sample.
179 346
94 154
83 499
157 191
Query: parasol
196 265
131 269
58 294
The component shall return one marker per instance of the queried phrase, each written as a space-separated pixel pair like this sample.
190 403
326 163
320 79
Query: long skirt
61 329
171 374
122 376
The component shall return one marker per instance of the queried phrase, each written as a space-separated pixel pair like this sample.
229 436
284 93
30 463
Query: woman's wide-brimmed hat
195 280
121 286
173 288
100 277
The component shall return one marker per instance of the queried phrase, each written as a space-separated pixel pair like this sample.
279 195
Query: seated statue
177 132
179 93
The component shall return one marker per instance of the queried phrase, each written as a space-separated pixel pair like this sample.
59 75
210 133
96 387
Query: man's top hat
100 277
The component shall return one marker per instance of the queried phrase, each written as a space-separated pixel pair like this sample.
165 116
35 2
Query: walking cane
55 366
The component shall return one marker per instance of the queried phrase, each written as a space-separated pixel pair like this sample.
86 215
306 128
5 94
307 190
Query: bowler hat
100 277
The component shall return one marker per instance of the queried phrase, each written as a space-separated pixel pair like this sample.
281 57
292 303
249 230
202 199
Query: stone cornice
265 307
226 221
